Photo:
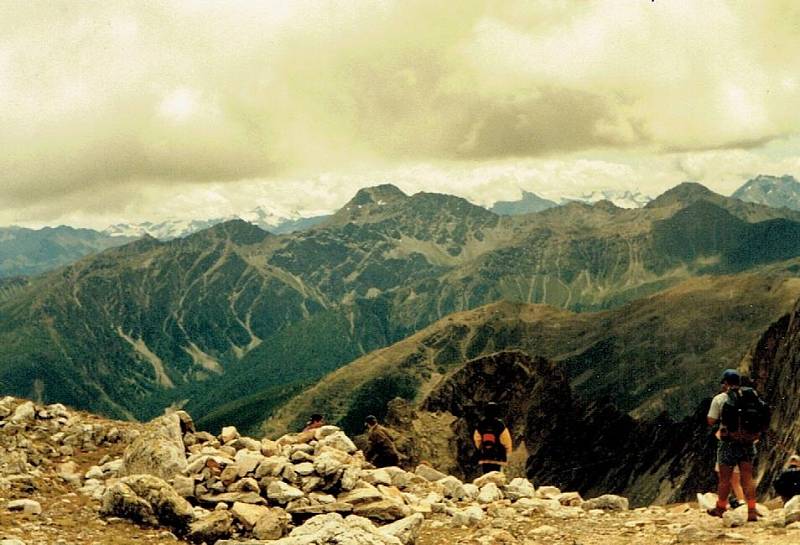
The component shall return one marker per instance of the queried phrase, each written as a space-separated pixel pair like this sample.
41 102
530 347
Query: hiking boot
752 515
716 512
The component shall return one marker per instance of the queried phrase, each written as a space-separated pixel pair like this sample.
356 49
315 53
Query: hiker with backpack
492 439
742 416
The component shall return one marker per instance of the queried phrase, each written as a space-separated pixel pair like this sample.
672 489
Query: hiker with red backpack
742 416
492 439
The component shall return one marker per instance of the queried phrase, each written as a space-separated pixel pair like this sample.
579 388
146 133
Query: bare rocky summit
73 478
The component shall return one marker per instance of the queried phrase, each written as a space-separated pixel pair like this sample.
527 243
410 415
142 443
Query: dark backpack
488 441
490 431
744 415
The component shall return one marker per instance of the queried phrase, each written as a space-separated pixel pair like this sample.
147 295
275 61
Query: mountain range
33 251
236 319
30 252
276 222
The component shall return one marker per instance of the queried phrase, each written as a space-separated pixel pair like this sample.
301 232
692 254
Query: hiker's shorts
731 453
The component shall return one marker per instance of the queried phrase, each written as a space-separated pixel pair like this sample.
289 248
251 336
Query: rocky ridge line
302 489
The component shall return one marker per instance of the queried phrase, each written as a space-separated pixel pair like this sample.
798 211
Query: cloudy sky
129 111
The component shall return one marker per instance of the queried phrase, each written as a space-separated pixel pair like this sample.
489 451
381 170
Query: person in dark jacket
380 451
787 485
492 439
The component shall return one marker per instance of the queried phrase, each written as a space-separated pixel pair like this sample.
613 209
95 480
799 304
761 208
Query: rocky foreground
73 478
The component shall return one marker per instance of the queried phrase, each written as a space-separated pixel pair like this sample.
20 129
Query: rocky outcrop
775 366
591 447
147 499
159 450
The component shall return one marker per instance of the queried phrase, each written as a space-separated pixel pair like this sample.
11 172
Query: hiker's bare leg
736 485
724 486
746 470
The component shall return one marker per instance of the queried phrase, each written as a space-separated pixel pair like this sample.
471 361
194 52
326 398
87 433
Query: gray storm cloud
105 102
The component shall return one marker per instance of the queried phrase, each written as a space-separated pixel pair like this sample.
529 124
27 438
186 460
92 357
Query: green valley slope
661 353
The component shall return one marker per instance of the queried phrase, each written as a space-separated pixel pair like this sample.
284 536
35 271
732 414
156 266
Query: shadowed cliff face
589 446
775 367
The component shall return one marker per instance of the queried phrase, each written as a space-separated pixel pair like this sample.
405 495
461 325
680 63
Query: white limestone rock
429 473
25 506
490 493
376 476
339 441
247 461
304 469
791 510
471 516
147 499
406 529
496 477
248 514
228 434
327 464
453 488
325 431
519 488
283 493
547 492
24 413
733 518
159 451
606 502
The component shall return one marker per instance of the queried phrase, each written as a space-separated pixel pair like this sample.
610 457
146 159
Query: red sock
751 504
722 504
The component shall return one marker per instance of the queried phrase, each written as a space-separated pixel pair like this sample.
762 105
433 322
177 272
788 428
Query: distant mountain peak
380 195
620 198
529 203
237 230
774 191
607 205
683 193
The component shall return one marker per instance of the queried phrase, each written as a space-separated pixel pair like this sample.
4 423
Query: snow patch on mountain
620 198
273 220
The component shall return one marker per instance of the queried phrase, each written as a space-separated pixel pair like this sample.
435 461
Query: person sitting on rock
492 439
787 485
732 452
316 421
380 451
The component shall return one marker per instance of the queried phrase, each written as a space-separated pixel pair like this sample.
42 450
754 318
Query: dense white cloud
136 109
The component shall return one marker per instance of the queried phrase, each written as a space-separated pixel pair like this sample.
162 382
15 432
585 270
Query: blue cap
731 376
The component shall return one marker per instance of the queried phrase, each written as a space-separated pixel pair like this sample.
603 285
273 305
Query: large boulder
159 451
283 493
218 525
792 510
519 488
248 514
28 507
333 528
147 499
606 502
337 441
406 529
429 473
490 493
272 525
24 413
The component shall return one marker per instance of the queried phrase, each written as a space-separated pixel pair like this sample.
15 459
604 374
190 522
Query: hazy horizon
126 111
